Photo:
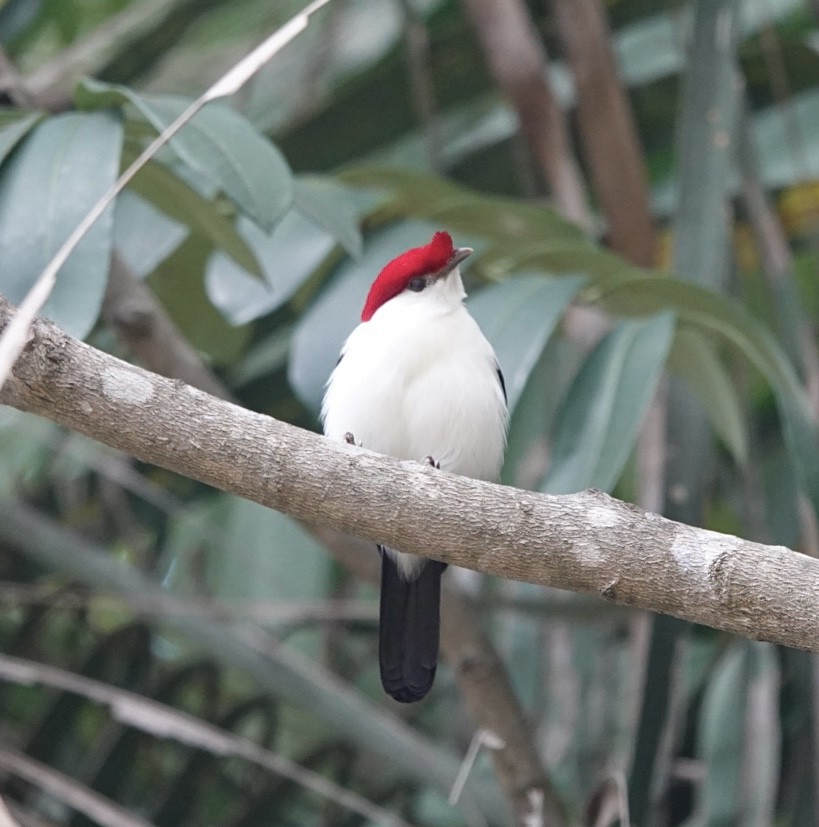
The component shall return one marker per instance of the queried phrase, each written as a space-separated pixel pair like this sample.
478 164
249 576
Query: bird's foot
350 439
428 460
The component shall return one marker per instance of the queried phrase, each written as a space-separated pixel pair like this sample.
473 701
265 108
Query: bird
418 380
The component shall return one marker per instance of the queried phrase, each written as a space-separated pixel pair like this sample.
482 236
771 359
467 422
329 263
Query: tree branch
608 134
586 542
518 62
133 312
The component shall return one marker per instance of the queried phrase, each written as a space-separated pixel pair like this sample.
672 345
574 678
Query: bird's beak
458 255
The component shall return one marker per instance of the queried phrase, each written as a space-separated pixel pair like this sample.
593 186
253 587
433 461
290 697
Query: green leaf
329 207
720 737
273 558
435 198
519 317
181 202
716 314
179 285
14 129
518 236
26 446
703 308
558 255
534 413
706 129
46 188
599 418
144 236
693 359
218 143
288 256
16 16
761 767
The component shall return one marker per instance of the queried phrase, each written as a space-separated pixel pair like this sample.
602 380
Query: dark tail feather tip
409 630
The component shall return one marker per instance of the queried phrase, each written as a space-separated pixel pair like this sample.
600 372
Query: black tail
408 643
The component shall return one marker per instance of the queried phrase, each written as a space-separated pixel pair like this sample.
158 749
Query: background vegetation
646 251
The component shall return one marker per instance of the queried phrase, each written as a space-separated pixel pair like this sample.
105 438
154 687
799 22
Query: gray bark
585 542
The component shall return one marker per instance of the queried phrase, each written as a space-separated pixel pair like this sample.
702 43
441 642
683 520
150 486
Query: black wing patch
502 383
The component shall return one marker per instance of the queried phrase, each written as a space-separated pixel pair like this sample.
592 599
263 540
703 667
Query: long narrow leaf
519 317
728 320
433 197
181 202
599 419
329 206
721 737
218 143
693 359
46 187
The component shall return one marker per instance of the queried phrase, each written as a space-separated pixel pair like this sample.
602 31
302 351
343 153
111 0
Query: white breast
420 379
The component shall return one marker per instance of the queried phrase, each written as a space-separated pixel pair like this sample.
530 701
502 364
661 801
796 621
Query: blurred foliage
260 229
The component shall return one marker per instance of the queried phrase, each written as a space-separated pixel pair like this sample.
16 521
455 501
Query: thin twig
257 611
6 819
163 721
77 796
482 738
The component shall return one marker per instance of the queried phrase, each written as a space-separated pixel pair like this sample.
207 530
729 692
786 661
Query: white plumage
420 379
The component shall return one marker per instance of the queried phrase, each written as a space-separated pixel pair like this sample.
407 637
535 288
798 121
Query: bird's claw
428 460
349 438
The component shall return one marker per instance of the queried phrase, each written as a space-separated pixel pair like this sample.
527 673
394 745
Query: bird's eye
417 284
